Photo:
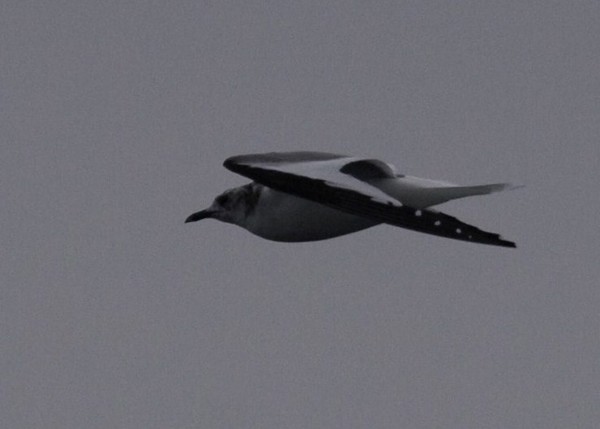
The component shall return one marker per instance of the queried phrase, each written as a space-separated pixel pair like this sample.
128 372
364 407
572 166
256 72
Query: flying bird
310 196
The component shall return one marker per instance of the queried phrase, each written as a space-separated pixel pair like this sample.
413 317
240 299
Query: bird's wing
347 184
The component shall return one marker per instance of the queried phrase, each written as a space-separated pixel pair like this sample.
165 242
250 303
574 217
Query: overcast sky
115 119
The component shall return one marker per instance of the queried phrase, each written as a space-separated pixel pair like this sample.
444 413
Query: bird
311 196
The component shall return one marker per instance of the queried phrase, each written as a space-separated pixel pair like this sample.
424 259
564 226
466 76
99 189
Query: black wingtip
497 240
230 162
508 244
277 158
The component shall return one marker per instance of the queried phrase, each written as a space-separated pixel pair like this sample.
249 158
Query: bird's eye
222 200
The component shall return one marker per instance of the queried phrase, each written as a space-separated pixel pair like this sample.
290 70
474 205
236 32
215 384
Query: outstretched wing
342 183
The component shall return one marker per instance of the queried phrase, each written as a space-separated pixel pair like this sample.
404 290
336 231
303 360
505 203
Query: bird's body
311 221
310 196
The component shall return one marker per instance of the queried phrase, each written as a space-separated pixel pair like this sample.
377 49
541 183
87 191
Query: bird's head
232 206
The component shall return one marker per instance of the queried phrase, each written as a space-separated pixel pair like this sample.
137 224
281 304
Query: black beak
202 214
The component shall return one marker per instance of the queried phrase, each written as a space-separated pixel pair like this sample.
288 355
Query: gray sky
116 117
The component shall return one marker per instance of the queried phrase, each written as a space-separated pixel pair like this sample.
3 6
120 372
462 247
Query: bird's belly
293 219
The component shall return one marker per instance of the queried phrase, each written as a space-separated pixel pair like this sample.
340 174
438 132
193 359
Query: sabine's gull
310 196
